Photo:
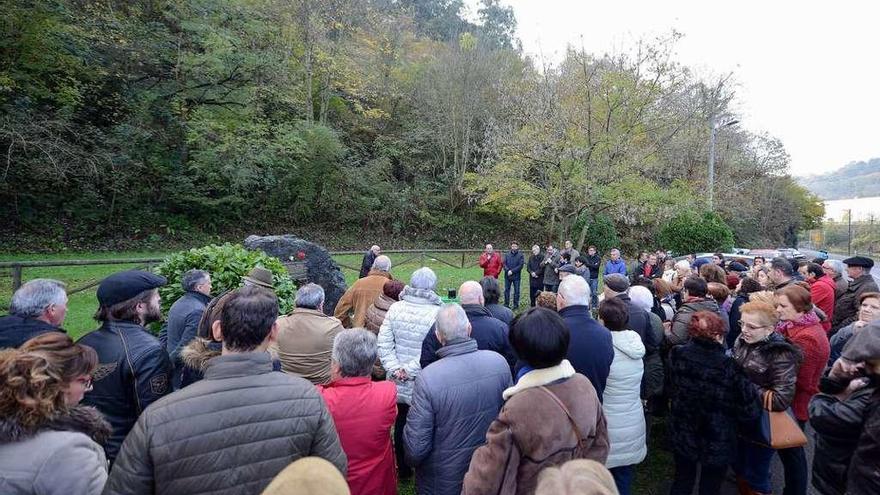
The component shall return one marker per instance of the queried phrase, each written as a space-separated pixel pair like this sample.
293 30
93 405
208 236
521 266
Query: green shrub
691 232
601 233
226 264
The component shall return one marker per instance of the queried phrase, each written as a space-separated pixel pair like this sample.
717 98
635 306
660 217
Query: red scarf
806 320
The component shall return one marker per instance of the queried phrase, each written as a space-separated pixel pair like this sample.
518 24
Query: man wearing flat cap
133 370
846 417
846 309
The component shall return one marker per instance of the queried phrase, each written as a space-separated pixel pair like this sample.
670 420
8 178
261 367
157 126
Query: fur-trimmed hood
82 419
197 353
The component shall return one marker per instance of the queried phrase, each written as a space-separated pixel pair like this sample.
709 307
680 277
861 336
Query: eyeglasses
85 381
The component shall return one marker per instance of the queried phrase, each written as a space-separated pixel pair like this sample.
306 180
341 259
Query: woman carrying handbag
771 362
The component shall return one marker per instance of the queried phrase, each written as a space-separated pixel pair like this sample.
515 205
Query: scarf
805 320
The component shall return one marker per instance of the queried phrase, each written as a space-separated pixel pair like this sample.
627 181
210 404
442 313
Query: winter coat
822 296
864 474
653 377
550 264
402 333
305 341
640 322
364 412
61 455
622 405
733 318
231 432
846 309
771 364
710 395
376 313
840 286
838 425
133 372
351 310
501 312
491 264
534 266
513 262
679 333
592 264
809 336
839 340
16 330
590 348
180 328
533 431
367 263
490 333
454 402
612 266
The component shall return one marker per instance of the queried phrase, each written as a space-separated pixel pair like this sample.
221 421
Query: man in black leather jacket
133 369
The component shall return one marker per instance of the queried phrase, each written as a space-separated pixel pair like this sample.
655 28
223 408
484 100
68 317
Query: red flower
301 255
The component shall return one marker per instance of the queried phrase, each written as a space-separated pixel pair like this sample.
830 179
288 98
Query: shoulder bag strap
574 426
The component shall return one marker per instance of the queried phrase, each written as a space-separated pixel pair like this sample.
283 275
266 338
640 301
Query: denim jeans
753 464
623 477
515 281
594 293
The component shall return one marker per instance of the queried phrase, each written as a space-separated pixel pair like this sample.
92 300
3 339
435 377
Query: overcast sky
809 75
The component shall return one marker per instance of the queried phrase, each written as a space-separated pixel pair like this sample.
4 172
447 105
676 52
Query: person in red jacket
800 325
491 262
364 412
822 289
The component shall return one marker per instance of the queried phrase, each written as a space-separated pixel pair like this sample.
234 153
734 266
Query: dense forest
855 180
154 119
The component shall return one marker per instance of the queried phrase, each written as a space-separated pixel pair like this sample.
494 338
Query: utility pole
849 237
713 129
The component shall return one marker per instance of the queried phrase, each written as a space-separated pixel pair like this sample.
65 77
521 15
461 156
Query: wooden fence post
16 277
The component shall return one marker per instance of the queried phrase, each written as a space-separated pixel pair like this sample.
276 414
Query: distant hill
855 180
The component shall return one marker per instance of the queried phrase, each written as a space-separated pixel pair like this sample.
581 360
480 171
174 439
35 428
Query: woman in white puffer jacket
403 330
622 404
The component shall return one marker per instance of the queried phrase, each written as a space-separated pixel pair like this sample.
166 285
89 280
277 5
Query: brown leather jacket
352 306
771 364
533 432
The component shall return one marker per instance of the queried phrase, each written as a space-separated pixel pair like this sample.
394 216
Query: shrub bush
226 264
691 232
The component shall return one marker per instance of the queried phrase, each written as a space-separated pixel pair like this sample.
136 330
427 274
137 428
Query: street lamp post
713 129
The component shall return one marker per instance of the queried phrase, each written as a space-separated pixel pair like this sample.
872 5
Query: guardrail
18 267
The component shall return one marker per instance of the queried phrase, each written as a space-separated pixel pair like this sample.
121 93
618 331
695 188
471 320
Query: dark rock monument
296 253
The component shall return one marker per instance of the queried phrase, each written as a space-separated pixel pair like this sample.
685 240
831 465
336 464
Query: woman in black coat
746 287
710 396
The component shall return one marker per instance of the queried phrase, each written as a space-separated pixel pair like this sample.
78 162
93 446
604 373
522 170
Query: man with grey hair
39 306
363 412
400 345
369 258
183 319
488 332
305 336
454 402
835 270
590 350
353 305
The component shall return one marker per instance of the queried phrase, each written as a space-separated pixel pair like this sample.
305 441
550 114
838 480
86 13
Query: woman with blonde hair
770 362
48 443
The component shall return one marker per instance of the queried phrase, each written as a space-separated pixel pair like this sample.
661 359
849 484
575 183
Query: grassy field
649 475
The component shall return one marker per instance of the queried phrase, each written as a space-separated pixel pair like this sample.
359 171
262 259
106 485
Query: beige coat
352 306
305 340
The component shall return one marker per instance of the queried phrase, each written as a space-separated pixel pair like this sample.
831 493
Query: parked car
790 253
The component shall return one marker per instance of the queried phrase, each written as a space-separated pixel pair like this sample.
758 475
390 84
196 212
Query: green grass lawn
651 473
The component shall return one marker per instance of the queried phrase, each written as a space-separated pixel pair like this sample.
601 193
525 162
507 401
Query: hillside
855 180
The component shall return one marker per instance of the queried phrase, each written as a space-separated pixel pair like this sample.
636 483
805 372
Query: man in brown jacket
352 306
305 337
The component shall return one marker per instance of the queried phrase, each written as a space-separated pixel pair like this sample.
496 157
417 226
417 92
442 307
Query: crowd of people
742 358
